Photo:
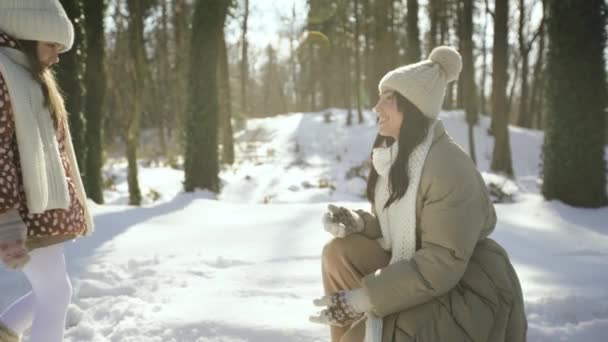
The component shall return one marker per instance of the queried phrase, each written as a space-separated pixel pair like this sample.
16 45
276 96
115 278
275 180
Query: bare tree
136 34
433 9
201 158
412 53
69 75
484 63
96 90
385 44
574 165
358 62
224 102
525 116
244 61
537 95
468 73
501 156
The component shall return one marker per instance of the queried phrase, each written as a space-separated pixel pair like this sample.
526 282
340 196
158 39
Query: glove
341 222
13 232
343 307
14 255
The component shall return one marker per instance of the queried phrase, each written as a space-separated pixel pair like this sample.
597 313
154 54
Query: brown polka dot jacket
52 226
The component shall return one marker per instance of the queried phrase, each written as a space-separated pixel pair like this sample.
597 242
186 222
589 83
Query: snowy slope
244 265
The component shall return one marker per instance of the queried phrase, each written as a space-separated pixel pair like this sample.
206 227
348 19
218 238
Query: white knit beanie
424 83
39 20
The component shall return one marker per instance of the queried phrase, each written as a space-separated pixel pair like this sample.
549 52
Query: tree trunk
468 73
384 45
444 34
371 89
511 92
69 75
484 68
536 96
225 107
95 96
358 64
412 53
267 81
346 53
201 162
574 168
181 36
164 71
459 29
524 119
244 60
538 84
501 155
325 67
136 34
433 8
392 53
292 58
312 81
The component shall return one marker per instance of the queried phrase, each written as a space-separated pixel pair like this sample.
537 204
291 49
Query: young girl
420 266
42 201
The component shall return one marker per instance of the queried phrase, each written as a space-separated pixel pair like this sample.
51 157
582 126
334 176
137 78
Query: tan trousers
344 262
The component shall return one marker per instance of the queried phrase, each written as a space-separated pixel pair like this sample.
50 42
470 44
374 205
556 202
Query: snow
244 265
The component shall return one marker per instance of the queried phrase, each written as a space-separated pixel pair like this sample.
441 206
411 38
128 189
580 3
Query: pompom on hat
424 83
39 20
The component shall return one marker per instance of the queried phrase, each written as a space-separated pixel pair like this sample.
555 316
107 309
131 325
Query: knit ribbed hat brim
38 20
424 83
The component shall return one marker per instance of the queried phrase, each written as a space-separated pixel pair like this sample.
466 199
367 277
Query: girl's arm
12 227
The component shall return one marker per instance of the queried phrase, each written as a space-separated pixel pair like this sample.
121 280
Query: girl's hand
13 233
14 255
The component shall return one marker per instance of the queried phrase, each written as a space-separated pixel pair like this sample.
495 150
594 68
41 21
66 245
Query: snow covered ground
244 265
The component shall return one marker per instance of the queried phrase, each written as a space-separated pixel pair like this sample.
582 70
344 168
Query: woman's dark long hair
53 98
414 129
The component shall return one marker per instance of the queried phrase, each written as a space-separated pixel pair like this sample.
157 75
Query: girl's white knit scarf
398 221
43 175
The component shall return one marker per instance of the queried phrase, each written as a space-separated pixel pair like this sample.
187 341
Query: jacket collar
384 157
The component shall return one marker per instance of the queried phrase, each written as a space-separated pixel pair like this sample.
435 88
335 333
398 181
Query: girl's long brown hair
53 98
414 129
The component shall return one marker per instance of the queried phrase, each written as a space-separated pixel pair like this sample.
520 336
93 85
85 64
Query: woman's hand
342 308
341 222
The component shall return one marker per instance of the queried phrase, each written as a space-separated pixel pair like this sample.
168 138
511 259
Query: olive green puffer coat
460 285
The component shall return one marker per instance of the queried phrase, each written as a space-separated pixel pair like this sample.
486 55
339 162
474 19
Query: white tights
45 307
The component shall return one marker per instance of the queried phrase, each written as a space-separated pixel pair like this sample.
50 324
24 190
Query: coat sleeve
11 224
371 228
455 210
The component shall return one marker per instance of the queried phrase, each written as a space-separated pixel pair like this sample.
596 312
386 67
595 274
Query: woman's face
48 53
389 117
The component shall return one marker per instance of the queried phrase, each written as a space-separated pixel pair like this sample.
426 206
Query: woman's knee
336 251
345 251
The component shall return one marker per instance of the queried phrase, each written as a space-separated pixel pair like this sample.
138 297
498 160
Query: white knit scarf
398 221
44 178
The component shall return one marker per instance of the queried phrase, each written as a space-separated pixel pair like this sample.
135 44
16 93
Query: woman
420 266
42 201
